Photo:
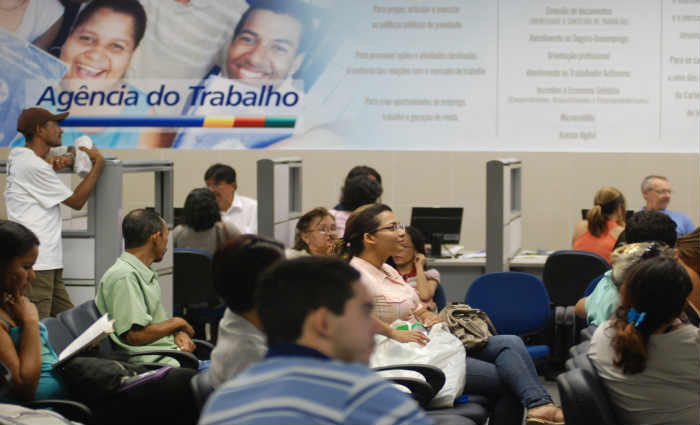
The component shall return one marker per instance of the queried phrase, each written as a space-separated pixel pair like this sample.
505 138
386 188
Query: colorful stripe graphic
213 121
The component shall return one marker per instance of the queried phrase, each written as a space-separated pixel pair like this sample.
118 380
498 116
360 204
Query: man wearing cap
33 194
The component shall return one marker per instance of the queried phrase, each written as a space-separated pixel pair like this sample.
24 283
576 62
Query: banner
476 75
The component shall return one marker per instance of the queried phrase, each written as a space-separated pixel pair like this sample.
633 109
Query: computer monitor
628 214
438 224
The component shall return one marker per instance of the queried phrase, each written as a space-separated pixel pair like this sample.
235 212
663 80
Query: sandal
550 413
530 420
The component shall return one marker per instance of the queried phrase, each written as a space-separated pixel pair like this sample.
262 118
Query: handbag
470 325
90 379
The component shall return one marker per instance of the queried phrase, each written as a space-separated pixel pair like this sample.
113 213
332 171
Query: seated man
656 191
235 208
129 291
320 329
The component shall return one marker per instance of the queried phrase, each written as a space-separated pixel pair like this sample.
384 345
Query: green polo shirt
130 293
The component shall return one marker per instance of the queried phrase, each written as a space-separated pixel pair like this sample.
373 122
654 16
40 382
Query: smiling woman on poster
98 52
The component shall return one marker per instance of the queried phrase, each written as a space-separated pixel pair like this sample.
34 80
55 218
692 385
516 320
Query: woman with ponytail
603 224
502 370
648 359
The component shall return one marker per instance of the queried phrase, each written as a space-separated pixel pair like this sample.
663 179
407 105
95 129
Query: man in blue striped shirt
320 329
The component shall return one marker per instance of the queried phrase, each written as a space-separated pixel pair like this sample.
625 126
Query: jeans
503 366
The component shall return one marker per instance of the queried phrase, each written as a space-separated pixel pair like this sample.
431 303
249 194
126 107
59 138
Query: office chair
194 296
566 276
584 398
77 319
517 304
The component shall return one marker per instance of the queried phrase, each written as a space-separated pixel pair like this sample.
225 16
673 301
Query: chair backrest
59 334
567 273
439 297
517 303
584 399
201 388
79 318
192 277
5 379
592 285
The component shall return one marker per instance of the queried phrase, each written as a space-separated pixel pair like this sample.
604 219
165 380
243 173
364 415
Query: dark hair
657 287
647 226
417 239
220 173
237 266
133 8
363 170
607 200
359 223
139 225
293 8
201 210
17 240
358 191
688 247
303 226
290 290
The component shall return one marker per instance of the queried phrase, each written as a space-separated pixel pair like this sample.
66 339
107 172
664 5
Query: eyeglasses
653 250
323 230
394 227
663 191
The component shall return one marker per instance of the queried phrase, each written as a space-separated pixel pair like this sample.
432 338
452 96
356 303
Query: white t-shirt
33 196
38 18
666 391
243 213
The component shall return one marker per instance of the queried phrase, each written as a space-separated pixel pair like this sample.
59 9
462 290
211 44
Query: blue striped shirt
308 388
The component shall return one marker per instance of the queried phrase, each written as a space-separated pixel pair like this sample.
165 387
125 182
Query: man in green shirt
130 293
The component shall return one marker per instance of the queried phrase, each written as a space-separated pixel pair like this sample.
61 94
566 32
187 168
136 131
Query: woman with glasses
314 234
603 224
645 354
203 228
601 303
502 370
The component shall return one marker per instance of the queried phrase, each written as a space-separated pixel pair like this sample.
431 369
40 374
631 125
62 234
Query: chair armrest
421 391
73 410
203 349
433 375
187 360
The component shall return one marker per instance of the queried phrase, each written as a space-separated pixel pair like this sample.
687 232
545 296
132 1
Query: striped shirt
298 385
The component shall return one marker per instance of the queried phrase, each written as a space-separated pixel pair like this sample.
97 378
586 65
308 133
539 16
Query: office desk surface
457 274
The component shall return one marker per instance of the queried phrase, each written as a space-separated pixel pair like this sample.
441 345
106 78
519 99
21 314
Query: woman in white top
648 359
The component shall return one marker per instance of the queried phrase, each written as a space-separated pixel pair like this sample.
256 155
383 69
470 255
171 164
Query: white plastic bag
444 351
82 165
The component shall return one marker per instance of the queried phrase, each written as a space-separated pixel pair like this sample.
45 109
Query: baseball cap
30 118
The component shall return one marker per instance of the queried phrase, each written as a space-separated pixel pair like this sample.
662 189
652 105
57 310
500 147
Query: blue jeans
503 366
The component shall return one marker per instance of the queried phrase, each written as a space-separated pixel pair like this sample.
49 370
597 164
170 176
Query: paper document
91 337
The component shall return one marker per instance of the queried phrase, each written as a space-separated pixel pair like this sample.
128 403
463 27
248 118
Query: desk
457 274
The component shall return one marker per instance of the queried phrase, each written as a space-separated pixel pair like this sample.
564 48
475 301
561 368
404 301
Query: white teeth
246 73
89 69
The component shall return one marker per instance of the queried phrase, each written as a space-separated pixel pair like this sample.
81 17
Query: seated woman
358 190
203 228
314 234
24 341
603 224
645 355
410 261
502 368
602 302
240 340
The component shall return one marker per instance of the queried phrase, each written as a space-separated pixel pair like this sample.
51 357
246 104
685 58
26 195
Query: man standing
320 329
239 210
129 291
33 194
657 194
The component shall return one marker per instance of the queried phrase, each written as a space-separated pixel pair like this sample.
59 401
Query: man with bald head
657 194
